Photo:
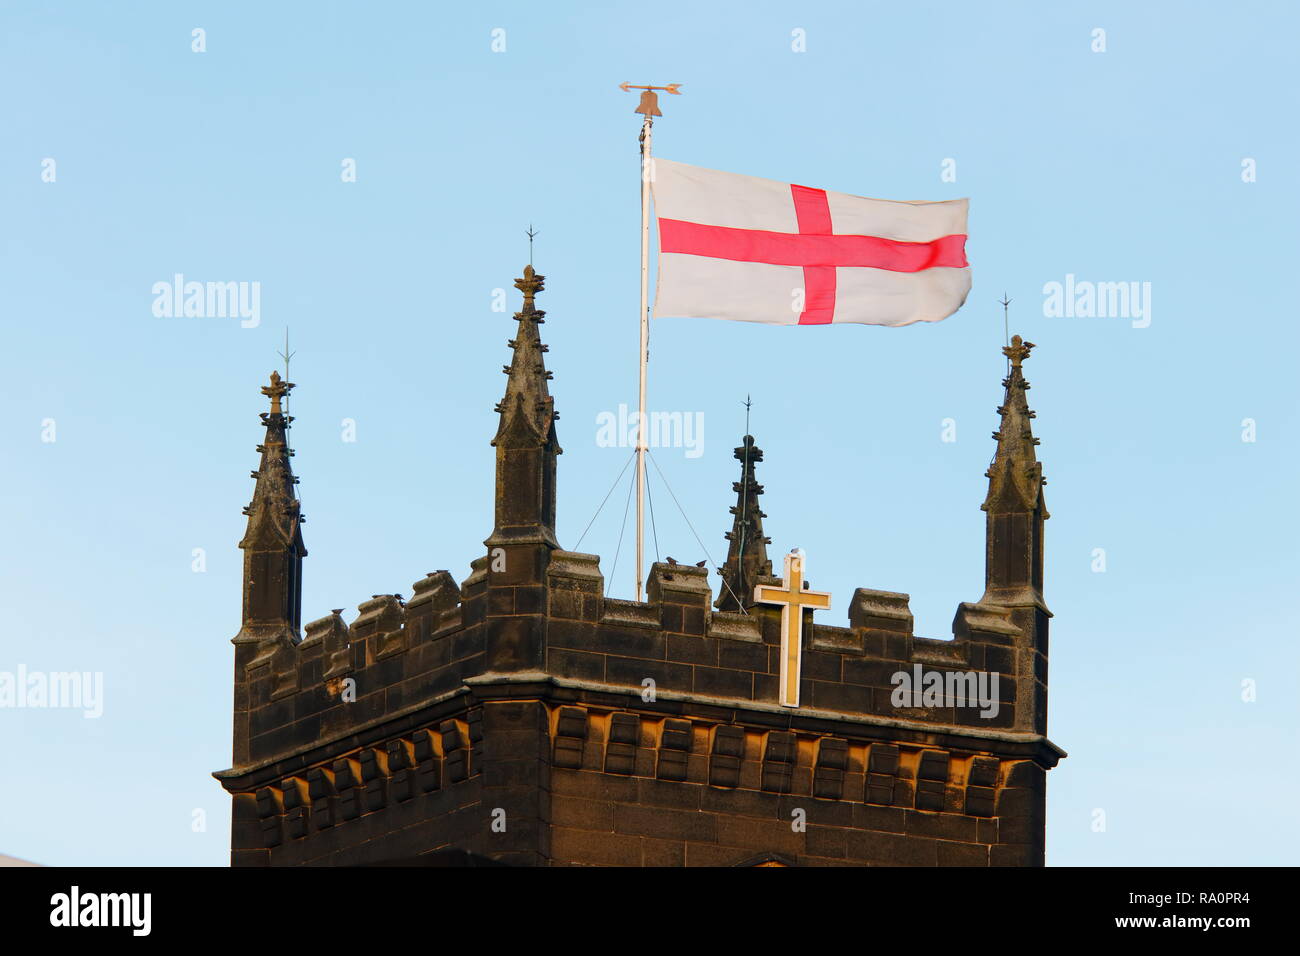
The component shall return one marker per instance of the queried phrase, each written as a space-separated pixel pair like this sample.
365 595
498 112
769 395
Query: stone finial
1018 350
275 391
530 284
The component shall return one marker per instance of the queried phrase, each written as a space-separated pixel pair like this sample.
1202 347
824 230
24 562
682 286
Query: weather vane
649 105
530 234
744 505
286 355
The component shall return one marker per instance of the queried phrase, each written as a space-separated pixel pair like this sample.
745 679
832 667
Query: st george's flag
756 250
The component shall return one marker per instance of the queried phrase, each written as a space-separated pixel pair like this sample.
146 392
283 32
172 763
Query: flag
755 250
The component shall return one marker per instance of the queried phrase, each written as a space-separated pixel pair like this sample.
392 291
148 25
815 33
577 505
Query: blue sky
1123 165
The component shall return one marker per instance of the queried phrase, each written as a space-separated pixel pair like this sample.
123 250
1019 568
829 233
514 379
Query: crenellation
672 583
391 643
735 626
450 620
380 615
575 586
622 613
284 673
954 654
880 611
838 640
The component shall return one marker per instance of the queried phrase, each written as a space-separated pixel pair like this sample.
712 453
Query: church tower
523 717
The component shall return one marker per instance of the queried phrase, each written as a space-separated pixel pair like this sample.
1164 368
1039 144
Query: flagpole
646 128
649 108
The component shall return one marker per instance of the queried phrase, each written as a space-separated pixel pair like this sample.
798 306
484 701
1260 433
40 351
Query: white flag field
756 250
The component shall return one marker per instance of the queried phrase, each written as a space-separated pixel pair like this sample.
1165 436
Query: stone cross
793 598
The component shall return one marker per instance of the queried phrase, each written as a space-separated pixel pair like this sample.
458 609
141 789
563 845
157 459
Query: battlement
680 643
398 655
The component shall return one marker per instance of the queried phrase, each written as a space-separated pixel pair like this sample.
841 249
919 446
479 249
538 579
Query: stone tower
522 717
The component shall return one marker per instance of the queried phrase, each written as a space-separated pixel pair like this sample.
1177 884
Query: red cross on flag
755 250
